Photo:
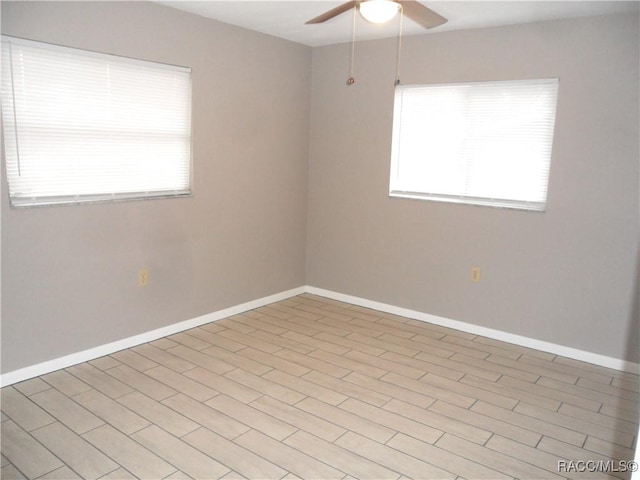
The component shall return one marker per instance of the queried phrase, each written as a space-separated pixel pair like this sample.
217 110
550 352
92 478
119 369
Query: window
81 126
480 143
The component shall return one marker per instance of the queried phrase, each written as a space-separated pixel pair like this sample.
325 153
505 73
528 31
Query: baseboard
564 351
49 366
43 368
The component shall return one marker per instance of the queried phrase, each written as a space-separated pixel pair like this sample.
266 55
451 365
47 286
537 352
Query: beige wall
260 210
567 276
69 274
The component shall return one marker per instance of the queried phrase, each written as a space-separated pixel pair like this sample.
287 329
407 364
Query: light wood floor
314 388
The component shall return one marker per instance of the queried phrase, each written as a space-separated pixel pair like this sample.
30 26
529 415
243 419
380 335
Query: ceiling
286 18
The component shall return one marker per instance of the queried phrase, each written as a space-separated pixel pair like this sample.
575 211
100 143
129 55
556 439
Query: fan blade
334 12
421 14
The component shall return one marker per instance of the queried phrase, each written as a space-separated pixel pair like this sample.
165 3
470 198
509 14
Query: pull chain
399 46
351 80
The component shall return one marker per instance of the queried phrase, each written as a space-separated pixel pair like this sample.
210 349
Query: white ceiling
286 18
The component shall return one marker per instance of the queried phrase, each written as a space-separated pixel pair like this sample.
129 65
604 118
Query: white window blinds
482 143
82 126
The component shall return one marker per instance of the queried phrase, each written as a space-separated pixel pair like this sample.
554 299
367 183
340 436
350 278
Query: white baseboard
43 368
574 353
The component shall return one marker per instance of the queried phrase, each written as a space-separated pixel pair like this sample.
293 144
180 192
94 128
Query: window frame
395 185
13 139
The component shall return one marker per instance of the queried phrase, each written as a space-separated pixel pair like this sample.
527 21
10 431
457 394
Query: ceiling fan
381 11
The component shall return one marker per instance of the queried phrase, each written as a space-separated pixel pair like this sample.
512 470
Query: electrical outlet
475 274
143 277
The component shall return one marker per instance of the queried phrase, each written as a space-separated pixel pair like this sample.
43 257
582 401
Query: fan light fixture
379 11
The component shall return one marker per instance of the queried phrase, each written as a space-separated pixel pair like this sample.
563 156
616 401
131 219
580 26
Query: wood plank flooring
314 388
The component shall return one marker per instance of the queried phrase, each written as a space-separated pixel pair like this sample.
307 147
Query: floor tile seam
464 350
332 325
257 411
81 436
302 413
357 362
609 393
223 361
437 396
266 459
524 460
104 422
283 441
467 362
263 393
445 365
352 452
276 323
471 390
177 391
401 453
186 332
110 399
344 379
488 349
412 359
137 389
514 395
370 419
271 367
376 326
478 461
599 413
196 421
548 391
153 422
130 437
317 345
130 364
586 449
574 447
522 350
14 420
259 326
484 444
490 419
351 348
397 326
627 384
17 387
348 413
566 369
328 364
260 341
568 420
180 439
331 314
97 388
387 350
542 424
29 434
41 476
446 418
166 351
396 366
433 445
43 378
539 371
309 381
598 369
